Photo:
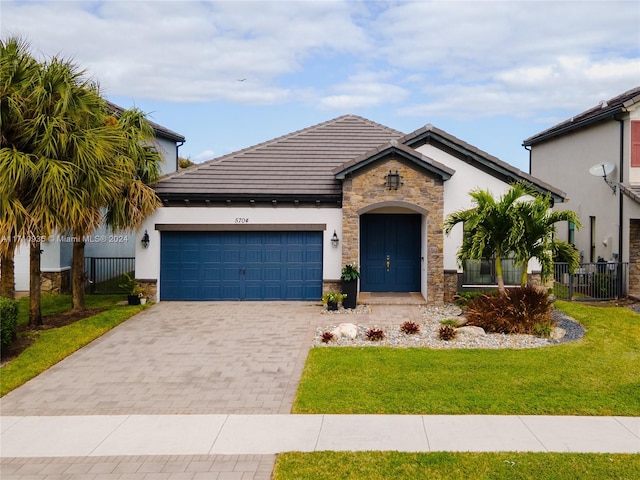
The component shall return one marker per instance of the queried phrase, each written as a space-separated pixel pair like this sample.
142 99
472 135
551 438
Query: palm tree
59 135
488 227
17 69
130 200
535 223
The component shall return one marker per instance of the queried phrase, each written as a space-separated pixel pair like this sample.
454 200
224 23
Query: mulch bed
27 334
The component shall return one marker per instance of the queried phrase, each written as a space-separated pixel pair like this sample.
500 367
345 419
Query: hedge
8 321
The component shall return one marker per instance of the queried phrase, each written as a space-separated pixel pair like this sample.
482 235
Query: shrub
518 311
543 329
8 321
375 334
452 322
327 337
410 328
447 332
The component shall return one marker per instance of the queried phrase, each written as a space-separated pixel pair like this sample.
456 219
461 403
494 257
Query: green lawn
51 346
455 466
598 375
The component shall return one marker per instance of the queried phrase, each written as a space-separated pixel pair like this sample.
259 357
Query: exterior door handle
388 262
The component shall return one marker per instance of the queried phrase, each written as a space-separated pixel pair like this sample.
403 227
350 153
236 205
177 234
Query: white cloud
204 156
459 59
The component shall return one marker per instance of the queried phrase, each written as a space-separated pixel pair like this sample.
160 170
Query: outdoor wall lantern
335 240
393 180
145 240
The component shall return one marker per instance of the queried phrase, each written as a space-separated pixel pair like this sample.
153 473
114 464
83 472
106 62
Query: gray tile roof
603 111
308 165
296 166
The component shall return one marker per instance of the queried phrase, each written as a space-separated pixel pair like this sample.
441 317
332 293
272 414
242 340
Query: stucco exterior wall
456 197
564 163
148 260
167 148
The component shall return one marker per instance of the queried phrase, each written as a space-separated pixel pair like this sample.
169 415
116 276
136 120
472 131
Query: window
592 237
635 144
483 272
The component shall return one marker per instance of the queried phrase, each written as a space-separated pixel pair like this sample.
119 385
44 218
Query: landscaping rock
471 331
557 333
348 330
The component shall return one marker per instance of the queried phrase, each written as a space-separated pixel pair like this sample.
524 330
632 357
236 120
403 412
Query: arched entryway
390 252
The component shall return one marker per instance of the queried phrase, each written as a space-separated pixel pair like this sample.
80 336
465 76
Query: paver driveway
182 357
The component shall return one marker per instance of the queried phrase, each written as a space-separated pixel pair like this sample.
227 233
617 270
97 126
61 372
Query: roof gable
402 151
477 158
603 111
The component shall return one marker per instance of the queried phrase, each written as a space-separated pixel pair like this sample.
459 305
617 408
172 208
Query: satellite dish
602 169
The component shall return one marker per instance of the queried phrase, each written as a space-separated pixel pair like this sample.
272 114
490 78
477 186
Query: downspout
621 199
178 145
528 149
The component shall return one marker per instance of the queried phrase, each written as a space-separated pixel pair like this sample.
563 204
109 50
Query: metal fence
104 274
591 282
483 272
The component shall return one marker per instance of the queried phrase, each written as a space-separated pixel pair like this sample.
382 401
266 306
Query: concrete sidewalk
149 435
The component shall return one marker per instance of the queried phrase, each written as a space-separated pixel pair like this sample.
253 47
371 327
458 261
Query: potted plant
135 291
332 299
349 277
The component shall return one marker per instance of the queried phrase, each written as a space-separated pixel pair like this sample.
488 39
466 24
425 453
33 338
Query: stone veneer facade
364 191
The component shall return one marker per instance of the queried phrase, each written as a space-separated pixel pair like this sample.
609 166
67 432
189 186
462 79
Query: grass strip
55 344
598 375
455 466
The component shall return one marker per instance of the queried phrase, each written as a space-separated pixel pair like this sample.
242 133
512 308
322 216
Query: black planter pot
133 299
332 305
350 288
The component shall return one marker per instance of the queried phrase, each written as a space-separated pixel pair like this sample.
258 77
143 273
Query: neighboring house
279 220
55 263
608 134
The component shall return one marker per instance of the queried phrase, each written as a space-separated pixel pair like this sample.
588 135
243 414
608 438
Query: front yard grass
597 375
455 466
52 345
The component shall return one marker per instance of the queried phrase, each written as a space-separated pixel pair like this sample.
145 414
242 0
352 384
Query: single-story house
279 220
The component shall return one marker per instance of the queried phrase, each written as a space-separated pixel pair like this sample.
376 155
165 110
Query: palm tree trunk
524 278
499 276
35 314
77 274
7 272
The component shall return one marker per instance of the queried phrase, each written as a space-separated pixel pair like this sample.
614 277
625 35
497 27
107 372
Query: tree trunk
7 272
499 276
525 277
77 275
35 314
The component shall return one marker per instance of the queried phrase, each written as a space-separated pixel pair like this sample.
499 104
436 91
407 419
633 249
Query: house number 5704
242 220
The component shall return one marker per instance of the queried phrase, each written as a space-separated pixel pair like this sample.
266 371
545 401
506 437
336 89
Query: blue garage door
241 266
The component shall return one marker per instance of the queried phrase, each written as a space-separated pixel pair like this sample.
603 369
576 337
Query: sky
230 74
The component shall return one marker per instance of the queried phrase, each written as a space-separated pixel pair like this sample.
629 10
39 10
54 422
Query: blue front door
241 266
390 253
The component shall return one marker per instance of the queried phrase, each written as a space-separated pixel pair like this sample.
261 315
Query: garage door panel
241 266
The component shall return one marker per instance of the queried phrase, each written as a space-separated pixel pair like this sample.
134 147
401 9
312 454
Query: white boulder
348 330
